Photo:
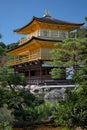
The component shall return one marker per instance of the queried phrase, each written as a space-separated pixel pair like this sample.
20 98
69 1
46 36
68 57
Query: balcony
46 34
15 60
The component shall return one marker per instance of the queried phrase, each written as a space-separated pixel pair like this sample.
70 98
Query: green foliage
44 110
86 18
25 102
11 46
6 118
73 111
2 45
2 51
57 73
4 73
71 52
0 35
21 101
82 33
11 79
33 112
80 76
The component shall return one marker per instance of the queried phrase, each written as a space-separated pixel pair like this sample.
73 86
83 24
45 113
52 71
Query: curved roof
49 20
27 43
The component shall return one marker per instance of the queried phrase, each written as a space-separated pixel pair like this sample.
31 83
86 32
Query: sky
15 14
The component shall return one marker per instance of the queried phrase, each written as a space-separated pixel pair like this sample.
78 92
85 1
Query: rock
55 94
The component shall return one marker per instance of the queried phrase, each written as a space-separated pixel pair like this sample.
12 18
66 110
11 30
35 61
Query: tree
0 35
82 32
12 45
69 53
2 45
2 51
86 18
9 78
16 98
73 111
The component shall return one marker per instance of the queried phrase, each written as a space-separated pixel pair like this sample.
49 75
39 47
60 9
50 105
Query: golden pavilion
30 56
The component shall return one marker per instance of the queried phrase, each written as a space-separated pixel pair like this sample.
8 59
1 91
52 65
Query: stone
55 94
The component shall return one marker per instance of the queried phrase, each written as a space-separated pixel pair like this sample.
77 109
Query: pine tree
71 52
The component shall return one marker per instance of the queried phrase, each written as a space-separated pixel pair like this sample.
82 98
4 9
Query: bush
73 111
6 118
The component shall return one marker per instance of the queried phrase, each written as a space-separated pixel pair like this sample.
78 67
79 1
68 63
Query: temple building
30 56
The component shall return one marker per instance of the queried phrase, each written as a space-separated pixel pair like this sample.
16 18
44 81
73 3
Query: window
54 33
63 35
45 33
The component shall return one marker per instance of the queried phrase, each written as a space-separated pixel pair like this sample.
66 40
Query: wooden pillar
40 71
29 76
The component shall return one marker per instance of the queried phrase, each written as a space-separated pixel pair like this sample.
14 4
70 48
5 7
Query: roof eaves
19 29
34 38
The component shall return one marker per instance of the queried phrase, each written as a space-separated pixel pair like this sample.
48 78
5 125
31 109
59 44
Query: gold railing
25 59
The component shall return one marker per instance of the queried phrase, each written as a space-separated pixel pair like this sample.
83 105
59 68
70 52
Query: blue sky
16 13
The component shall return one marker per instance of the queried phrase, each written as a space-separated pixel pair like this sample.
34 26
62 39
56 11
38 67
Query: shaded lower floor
38 72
